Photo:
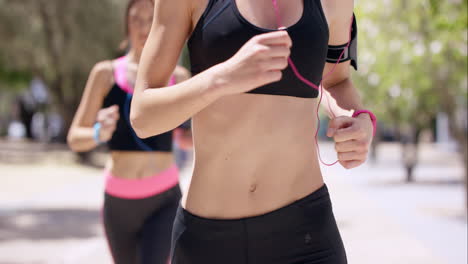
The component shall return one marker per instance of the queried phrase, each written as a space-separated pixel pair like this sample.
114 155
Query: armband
349 51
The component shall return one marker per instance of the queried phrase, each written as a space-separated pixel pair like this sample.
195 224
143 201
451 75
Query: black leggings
139 230
302 232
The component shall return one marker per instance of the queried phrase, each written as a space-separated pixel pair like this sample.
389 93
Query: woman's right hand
108 118
259 62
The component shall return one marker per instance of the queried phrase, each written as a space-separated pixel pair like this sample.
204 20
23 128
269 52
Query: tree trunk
410 151
458 130
67 114
459 133
374 147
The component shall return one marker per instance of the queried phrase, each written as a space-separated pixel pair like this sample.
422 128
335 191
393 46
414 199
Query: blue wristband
97 130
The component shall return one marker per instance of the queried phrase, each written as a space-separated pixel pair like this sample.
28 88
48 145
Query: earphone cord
309 83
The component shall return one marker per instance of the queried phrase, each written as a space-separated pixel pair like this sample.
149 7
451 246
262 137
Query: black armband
349 53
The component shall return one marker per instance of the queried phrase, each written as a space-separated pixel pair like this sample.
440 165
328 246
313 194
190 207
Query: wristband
371 115
97 130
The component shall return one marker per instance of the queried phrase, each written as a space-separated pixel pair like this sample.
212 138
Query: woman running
257 194
142 191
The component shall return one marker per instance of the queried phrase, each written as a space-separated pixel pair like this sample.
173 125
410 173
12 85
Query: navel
253 188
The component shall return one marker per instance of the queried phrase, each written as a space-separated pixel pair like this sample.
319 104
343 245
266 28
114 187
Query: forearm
342 99
81 139
155 111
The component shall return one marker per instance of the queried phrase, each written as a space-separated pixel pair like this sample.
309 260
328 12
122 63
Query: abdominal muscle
253 154
138 164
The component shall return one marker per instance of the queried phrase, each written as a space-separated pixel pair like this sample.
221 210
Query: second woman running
142 191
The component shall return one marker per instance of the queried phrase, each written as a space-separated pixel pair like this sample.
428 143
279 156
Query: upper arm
98 85
339 15
171 26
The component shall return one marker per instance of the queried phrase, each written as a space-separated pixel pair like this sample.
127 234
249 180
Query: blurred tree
413 59
11 82
58 41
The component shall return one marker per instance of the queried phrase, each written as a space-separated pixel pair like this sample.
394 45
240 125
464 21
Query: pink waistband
141 188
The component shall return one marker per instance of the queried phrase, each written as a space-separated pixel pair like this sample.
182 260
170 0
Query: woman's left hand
353 137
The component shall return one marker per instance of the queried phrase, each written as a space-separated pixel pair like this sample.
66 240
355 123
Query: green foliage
58 41
13 80
412 54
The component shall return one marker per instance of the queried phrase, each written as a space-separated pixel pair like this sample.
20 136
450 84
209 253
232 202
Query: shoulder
103 70
102 76
181 70
181 73
338 11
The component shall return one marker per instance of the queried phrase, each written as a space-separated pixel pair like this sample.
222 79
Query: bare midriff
253 154
138 164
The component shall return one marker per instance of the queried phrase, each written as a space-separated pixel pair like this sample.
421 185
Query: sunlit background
407 205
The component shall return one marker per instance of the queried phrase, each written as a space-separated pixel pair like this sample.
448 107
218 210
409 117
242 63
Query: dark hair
125 43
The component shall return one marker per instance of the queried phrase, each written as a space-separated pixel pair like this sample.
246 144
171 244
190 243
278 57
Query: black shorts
139 230
302 232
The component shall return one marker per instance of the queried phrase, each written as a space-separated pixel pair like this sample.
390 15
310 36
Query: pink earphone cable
309 83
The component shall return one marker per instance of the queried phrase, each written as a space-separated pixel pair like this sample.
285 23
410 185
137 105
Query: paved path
49 213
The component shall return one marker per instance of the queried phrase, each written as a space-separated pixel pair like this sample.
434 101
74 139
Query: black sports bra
124 138
222 31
